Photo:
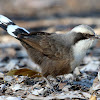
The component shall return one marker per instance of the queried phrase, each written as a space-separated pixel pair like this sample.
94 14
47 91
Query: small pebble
37 92
16 87
69 76
13 98
2 86
8 78
1 75
93 66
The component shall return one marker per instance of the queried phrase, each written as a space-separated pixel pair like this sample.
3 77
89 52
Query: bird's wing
46 44
41 41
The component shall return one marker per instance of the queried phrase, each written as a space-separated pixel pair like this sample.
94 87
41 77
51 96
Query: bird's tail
11 27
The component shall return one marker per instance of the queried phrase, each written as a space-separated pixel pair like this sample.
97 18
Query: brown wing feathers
43 43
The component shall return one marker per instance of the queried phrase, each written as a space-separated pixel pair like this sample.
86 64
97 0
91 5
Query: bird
56 54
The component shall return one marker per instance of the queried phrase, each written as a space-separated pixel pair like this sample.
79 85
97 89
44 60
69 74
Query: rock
16 87
93 66
37 92
13 98
88 59
69 76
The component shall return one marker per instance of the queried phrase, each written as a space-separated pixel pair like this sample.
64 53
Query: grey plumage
56 54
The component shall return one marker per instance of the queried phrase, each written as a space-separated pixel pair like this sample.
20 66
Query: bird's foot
55 89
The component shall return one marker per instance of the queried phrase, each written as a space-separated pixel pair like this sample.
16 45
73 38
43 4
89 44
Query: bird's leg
50 85
59 80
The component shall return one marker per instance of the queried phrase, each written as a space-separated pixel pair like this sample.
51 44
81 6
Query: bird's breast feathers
79 51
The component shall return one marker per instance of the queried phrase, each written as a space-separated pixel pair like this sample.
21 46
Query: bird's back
49 53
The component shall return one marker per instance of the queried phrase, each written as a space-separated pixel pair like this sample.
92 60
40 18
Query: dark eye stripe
88 35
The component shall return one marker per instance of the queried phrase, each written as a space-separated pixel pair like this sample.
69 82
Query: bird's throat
79 51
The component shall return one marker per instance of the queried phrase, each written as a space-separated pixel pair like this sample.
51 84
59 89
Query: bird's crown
85 29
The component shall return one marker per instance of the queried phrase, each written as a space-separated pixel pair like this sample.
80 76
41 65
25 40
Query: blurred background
40 15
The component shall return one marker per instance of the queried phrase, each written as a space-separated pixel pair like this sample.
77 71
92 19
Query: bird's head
85 31
83 37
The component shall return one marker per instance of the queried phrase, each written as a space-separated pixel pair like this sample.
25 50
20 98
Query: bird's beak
96 36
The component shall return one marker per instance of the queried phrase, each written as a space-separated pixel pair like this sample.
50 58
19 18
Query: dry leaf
24 72
93 97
